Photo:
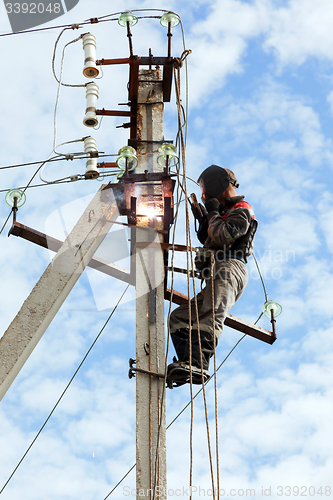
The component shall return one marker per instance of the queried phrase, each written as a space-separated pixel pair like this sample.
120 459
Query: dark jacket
230 231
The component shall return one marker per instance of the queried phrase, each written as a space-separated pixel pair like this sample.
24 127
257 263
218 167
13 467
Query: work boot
179 374
181 342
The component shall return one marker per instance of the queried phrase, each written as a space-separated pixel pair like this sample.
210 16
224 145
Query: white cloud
330 101
301 29
274 401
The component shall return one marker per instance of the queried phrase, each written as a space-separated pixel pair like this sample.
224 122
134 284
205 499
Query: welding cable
187 177
65 390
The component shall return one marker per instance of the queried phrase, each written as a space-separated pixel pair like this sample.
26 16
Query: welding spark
148 211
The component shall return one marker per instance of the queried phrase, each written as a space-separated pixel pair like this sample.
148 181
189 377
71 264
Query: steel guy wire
65 390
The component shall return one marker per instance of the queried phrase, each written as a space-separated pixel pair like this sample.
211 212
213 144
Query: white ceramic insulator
90 69
92 171
90 119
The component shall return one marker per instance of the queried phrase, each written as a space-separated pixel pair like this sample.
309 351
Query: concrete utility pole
150 339
48 295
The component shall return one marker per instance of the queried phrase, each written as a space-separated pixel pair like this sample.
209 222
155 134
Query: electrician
227 226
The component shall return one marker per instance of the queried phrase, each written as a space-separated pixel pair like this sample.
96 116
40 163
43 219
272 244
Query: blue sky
261 104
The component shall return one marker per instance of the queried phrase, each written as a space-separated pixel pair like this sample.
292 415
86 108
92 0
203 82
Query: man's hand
198 210
212 205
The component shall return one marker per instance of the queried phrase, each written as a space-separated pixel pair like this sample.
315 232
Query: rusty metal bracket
131 371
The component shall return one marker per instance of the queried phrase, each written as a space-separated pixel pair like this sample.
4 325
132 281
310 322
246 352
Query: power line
24 189
72 178
33 163
63 393
94 20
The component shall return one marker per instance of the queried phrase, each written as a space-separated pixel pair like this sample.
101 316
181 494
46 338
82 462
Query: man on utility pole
226 229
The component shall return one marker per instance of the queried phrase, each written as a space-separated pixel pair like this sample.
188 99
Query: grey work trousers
230 279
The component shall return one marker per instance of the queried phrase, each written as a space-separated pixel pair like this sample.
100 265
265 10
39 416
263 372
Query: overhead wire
93 20
64 156
65 390
24 190
190 402
75 178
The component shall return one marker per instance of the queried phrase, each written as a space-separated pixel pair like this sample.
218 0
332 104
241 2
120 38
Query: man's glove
212 205
199 212
202 259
